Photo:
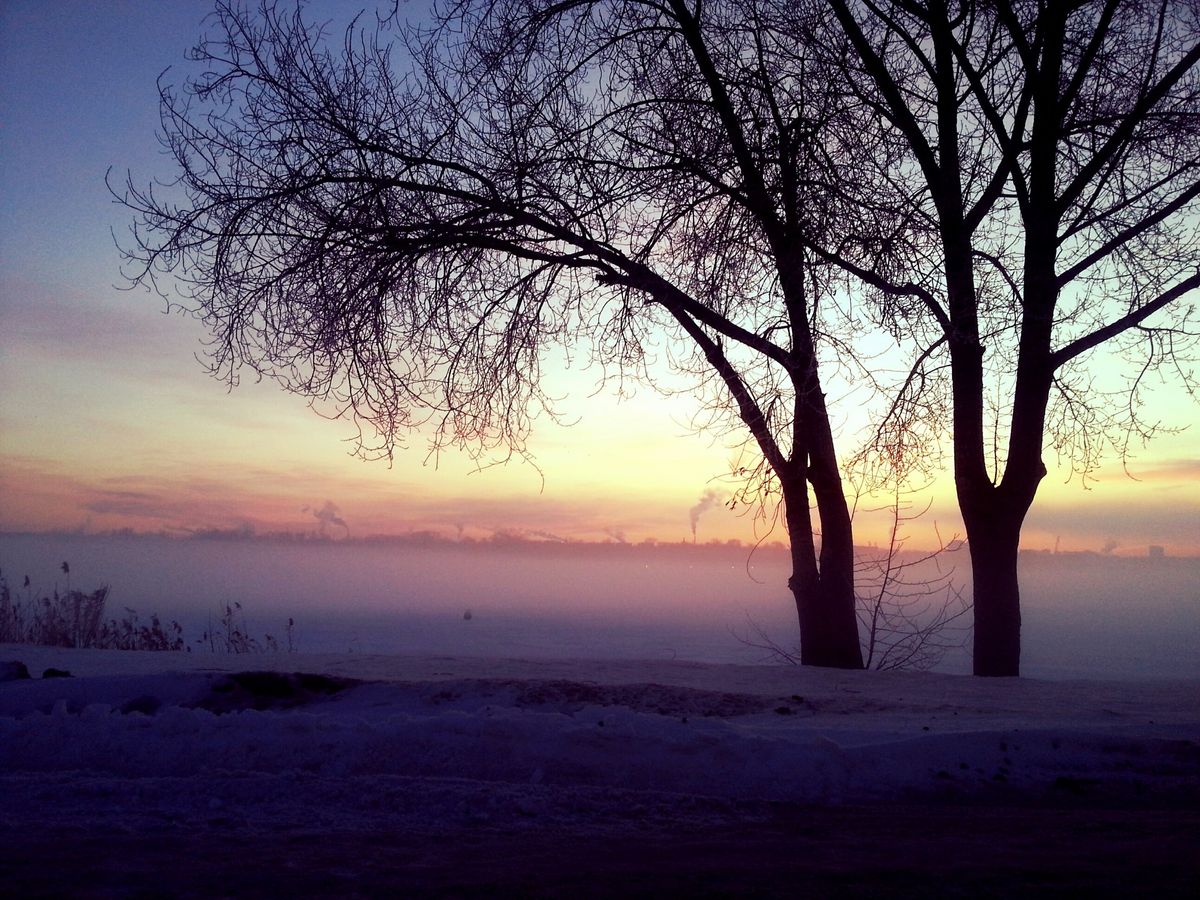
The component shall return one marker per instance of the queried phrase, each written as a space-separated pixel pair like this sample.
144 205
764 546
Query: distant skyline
107 421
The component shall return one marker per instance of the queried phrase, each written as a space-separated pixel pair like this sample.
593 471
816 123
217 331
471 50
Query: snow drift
150 744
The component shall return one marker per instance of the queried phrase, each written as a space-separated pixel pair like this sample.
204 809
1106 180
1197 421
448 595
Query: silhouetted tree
404 229
911 609
1031 194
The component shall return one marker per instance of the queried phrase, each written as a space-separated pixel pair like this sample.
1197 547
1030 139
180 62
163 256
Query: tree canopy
1038 200
405 227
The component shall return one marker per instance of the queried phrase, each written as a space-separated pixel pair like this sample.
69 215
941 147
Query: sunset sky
108 421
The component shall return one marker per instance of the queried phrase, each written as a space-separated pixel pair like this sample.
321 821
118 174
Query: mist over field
1085 615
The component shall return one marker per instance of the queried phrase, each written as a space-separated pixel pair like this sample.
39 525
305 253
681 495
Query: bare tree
404 230
1032 196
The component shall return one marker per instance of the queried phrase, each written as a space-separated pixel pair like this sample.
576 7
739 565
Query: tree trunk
994 515
828 624
824 593
997 638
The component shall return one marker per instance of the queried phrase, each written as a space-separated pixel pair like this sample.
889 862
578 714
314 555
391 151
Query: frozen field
1085 616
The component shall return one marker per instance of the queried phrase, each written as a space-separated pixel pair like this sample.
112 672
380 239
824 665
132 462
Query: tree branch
1130 320
1123 237
1126 129
749 410
899 113
907 289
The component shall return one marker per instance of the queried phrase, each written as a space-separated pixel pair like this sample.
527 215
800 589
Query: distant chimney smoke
708 500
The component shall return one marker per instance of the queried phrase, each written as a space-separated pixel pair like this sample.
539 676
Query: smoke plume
326 516
710 498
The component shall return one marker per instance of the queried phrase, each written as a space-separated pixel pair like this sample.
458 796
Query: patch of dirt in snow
270 690
568 697
263 690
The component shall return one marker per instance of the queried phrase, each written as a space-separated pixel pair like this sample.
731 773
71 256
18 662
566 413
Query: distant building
1157 552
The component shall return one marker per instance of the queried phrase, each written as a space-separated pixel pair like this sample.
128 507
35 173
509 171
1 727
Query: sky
108 421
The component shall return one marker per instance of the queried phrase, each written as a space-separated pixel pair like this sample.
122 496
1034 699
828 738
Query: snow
519 753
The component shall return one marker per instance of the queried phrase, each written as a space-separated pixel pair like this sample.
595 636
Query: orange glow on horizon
41 496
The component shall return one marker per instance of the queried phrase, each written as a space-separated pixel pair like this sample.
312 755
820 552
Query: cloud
572 516
108 328
140 504
50 495
1180 469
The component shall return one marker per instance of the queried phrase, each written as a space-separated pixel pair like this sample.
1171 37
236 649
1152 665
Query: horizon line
515 538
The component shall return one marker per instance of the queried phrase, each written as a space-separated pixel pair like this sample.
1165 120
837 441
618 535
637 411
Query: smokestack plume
710 498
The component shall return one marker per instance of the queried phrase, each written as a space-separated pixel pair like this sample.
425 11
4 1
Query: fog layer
1084 615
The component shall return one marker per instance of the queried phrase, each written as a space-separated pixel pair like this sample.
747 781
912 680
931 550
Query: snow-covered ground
199 774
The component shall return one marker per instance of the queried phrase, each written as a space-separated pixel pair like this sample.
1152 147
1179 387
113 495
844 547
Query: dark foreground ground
876 851
493 778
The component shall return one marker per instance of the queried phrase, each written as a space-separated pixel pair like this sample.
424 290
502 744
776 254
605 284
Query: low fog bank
1086 615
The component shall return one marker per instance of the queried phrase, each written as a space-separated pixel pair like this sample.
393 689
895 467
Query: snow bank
734 732
216 775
